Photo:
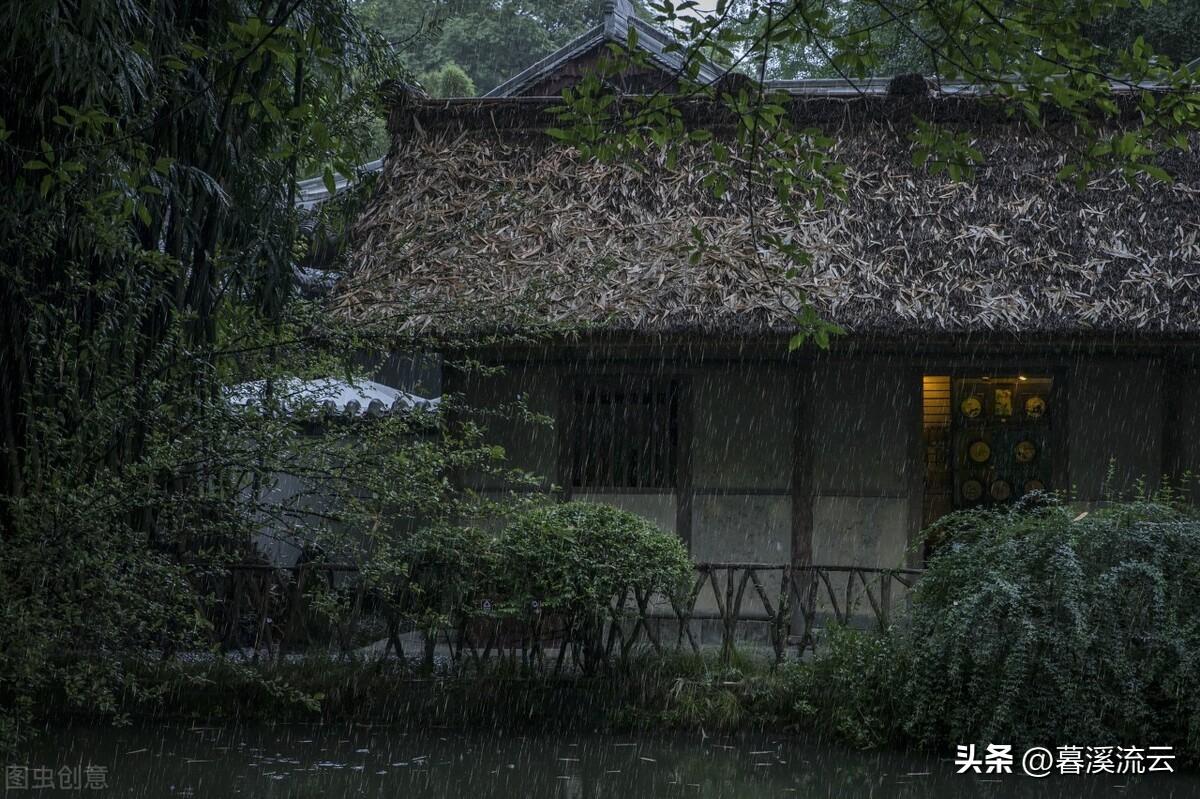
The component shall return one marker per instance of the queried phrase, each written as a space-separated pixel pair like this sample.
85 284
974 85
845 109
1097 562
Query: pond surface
352 761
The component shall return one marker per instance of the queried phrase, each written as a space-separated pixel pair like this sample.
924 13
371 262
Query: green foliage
493 41
572 562
579 558
859 38
813 327
1168 26
75 618
700 691
434 574
851 688
1032 625
151 154
448 81
1043 624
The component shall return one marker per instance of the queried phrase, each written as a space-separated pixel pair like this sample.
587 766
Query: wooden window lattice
626 436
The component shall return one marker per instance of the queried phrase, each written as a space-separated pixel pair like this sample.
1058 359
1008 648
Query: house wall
743 422
743 418
743 425
1181 427
1115 413
862 415
860 441
506 404
858 447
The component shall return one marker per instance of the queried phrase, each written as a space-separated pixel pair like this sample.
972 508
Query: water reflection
355 760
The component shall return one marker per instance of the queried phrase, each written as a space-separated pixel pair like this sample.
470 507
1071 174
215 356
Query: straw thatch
480 219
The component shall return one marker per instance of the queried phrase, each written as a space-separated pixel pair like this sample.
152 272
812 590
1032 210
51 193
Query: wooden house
1005 334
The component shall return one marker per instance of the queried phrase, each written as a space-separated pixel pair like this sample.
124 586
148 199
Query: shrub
449 80
852 688
1040 624
577 559
434 573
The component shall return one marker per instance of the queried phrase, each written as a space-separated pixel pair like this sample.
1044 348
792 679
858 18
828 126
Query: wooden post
683 482
566 429
1172 406
914 389
729 620
802 491
1060 435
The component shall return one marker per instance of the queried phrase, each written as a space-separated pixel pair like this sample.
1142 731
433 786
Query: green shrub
580 557
434 573
1041 624
577 559
449 80
852 688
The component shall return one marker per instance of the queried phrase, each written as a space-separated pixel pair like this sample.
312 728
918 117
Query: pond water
286 762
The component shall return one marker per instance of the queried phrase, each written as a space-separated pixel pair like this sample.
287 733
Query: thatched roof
481 217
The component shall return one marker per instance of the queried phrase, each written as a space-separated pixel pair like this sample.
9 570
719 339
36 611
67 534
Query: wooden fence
275 611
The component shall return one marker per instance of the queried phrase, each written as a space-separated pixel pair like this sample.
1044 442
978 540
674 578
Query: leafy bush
580 558
576 560
449 80
1041 624
431 575
76 621
852 688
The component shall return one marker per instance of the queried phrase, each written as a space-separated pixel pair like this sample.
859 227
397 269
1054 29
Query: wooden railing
270 610
795 599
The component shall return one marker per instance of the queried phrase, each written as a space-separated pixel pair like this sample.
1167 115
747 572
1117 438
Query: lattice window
625 435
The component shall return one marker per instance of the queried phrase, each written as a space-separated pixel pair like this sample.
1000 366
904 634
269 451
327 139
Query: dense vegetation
490 42
1031 626
571 562
1051 624
895 38
150 151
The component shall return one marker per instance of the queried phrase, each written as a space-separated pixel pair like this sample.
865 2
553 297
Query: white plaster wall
860 531
744 421
741 529
862 462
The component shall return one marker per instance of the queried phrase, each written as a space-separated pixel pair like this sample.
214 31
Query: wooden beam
1174 374
802 466
683 476
566 421
914 424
